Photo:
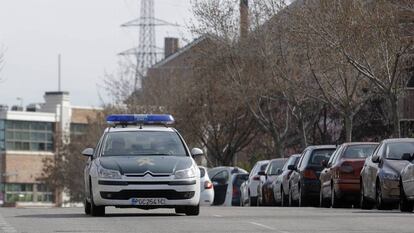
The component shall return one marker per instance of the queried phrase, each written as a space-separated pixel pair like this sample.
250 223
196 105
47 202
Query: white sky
86 32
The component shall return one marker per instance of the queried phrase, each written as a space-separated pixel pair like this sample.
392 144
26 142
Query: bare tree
367 36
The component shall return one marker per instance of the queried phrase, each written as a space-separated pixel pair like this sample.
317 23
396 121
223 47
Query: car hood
146 164
395 165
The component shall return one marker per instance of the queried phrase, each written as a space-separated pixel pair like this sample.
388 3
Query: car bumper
121 194
311 188
207 197
390 190
347 186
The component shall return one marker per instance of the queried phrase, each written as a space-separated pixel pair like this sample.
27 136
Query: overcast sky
86 32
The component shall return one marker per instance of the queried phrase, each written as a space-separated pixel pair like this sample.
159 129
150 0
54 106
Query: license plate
148 201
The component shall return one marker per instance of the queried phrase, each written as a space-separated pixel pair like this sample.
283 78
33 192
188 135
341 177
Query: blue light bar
135 119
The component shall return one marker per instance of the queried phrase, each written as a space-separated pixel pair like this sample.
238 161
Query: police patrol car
140 162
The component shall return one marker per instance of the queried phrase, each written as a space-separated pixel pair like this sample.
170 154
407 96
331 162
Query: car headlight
186 173
390 176
109 174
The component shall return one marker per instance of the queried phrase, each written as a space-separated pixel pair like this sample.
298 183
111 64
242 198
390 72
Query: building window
19 192
28 193
77 129
2 136
28 136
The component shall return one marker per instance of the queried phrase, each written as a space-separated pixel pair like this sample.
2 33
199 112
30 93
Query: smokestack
170 46
244 18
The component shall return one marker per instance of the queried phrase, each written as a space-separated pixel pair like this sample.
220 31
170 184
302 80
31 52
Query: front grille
128 194
125 183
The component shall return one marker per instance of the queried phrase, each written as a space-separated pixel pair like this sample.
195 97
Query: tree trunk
348 127
303 138
395 116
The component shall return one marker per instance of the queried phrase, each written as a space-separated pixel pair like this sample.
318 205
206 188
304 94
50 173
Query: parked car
340 179
207 189
304 182
380 176
407 177
265 190
249 188
237 181
223 179
281 184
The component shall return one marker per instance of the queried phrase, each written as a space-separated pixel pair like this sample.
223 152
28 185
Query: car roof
295 155
321 147
359 143
222 168
278 159
154 128
398 140
262 162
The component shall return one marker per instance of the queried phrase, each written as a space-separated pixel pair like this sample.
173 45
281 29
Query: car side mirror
261 173
408 157
324 163
376 159
292 167
196 152
88 152
279 171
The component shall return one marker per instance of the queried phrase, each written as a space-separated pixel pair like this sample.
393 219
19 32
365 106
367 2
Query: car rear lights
208 185
346 168
235 191
309 174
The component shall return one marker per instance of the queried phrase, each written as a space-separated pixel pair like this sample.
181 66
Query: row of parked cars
364 175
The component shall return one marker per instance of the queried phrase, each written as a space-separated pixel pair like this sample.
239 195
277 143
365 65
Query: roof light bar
135 119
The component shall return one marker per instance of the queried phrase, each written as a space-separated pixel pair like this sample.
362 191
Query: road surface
211 219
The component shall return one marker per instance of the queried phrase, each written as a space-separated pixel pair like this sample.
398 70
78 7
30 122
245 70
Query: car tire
378 198
405 204
96 211
323 203
192 210
284 199
302 199
363 202
87 207
252 201
335 201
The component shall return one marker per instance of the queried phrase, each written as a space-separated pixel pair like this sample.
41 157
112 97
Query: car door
86 171
370 171
407 177
295 177
326 174
220 182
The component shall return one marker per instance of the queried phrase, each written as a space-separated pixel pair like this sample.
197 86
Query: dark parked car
265 189
304 184
223 179
407 178
281 184
340 179
380 176
238 179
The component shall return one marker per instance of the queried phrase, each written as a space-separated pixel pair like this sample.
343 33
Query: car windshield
240 178
396 150
319 155
143 143
359 151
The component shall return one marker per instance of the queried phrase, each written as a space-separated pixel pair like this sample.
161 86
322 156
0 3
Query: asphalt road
212 219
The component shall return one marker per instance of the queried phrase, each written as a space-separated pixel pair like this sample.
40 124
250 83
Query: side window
335 157
301 158
96 153
381 150
304 158
269 169
221 177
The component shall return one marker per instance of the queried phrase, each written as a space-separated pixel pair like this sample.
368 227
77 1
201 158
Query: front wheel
192 210
363 202
95 210
87 207
405 204
323 203
335 201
